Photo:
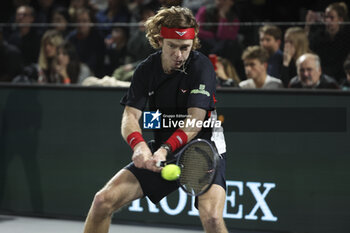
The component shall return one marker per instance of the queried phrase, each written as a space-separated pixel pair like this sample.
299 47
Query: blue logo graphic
151 120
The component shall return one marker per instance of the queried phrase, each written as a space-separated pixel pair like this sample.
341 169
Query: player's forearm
194 114
130 122
185 134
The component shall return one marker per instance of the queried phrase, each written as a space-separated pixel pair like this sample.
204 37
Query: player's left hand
159 155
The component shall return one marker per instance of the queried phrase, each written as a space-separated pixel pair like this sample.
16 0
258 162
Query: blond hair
255 52
54 38
299 40
229 69
173 17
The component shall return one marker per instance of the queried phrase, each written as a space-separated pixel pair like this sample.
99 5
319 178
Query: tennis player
176 81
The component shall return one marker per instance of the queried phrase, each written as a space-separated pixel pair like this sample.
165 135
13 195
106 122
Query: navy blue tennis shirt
194 85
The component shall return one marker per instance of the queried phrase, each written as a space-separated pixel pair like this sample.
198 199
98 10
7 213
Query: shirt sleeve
203 87
137 94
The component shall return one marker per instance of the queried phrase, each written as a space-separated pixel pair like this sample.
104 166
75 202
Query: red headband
178 33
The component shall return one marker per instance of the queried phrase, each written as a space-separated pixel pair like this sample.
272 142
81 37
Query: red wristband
177 139
134 138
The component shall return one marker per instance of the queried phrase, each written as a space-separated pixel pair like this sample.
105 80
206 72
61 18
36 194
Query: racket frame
177 158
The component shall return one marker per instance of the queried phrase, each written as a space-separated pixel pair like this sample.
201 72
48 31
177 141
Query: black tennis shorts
156 188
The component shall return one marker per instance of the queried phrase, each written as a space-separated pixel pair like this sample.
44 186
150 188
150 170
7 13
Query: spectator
221 39
296 44
226 75
9 15
345 83
217 39
69 68
138 47
116 12
99 4
331 40
116 49
223 11
25 37
310 74
48 51
10 60
44 10
75 5
194 5
88 42
60 17
270 39
137 9
255 64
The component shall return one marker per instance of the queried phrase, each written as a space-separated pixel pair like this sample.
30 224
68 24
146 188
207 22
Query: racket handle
160 164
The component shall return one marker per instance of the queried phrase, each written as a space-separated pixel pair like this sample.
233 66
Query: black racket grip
161 163
164 163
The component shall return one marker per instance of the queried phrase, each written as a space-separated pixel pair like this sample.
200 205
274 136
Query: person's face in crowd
118 38
269 43
289 48
332 21
254 69
175 53
62 57
59 19
49 49
308 71
24 15
348 75
83 18
288 40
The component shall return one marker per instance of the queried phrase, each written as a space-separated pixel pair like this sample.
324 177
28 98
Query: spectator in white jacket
255 65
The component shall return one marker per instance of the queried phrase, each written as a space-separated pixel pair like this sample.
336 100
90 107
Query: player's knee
211 218
102 204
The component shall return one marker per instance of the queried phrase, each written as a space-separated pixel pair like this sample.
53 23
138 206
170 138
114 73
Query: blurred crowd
251 43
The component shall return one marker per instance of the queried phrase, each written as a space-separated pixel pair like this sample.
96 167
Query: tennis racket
198 161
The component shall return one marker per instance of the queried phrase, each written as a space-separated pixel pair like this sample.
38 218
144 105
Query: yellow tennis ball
171 172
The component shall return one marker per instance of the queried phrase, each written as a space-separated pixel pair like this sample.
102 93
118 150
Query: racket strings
197 168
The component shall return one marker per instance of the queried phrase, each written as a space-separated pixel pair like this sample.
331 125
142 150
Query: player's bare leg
119 191
211 206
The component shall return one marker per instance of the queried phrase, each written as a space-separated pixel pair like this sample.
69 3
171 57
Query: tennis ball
171 172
